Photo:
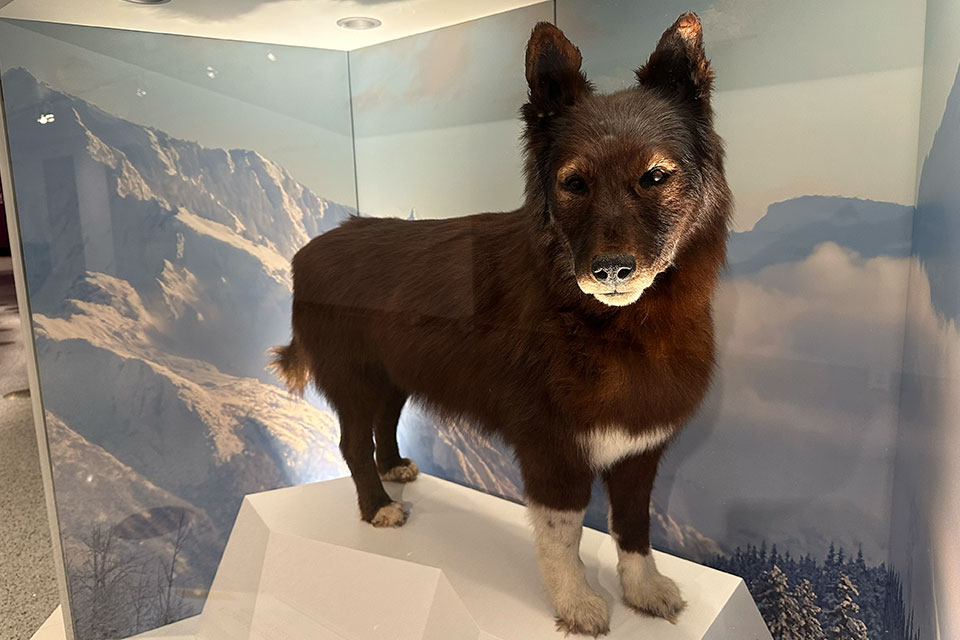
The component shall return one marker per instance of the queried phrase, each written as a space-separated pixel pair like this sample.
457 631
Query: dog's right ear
553 74
679 65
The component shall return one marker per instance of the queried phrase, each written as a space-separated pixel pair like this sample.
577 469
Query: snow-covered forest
840 598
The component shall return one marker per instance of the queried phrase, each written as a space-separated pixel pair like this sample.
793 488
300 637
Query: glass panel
163 184
926 497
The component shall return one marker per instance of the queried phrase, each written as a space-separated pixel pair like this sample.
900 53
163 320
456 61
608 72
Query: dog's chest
605 446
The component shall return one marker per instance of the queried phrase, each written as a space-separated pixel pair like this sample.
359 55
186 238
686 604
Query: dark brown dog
577 328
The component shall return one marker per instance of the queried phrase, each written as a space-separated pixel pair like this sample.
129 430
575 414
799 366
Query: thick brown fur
488 316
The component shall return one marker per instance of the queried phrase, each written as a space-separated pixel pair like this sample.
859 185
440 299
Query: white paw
587 615
406 472
391 515
660 597
646 589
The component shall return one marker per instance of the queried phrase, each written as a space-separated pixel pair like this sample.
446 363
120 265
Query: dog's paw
406 471
658 596
390 515
646 589
587 615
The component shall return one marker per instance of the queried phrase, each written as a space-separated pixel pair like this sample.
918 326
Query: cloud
834 307
804 410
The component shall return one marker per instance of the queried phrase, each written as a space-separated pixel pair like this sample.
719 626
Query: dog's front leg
629 483
556 503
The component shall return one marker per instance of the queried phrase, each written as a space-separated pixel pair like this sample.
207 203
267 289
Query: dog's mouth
618 296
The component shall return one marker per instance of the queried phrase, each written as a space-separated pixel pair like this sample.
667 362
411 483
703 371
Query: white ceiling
307 23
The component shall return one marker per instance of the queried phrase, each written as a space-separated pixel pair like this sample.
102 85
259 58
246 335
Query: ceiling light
148 1
358 23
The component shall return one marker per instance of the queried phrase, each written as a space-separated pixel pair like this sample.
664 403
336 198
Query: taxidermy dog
577 328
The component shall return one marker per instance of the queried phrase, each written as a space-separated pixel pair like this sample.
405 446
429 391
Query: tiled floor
28 592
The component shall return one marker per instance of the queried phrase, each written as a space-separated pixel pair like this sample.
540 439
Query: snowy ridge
276 265
128 181
238 188
113 319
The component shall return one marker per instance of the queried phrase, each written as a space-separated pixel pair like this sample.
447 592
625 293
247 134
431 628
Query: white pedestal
301 565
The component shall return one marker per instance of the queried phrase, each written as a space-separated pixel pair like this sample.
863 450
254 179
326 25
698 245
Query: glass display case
163 165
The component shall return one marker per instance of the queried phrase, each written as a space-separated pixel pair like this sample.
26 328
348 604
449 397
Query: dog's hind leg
358 410
392 467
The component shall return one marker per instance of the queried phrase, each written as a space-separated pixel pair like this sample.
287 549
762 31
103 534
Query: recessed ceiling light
359 23
148 1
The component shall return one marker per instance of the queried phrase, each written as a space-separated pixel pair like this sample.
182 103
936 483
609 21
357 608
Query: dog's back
428 305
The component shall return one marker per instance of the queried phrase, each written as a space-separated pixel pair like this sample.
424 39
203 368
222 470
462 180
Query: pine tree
843 622
809 628
778 606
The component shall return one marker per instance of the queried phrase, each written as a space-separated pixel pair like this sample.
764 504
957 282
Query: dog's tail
290 364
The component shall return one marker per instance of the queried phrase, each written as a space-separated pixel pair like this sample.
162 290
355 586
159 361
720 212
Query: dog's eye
654 177
575 184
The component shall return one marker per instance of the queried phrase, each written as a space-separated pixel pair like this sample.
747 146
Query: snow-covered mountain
792 229
239 189
159 274
180 423
99 193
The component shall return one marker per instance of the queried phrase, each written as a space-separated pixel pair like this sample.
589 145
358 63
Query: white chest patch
605 446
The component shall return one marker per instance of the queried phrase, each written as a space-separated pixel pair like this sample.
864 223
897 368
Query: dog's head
625 179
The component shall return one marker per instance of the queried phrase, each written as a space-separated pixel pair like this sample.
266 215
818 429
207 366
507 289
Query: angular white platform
301 564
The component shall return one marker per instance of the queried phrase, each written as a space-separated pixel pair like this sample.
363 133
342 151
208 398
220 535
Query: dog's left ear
553 74
679 65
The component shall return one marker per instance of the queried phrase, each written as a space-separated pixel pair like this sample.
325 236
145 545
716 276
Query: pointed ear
553 73
679 65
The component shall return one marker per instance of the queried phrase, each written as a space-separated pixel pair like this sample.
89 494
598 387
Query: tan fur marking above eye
662 161
568 170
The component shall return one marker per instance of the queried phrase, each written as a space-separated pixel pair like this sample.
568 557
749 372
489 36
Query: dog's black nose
613 269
